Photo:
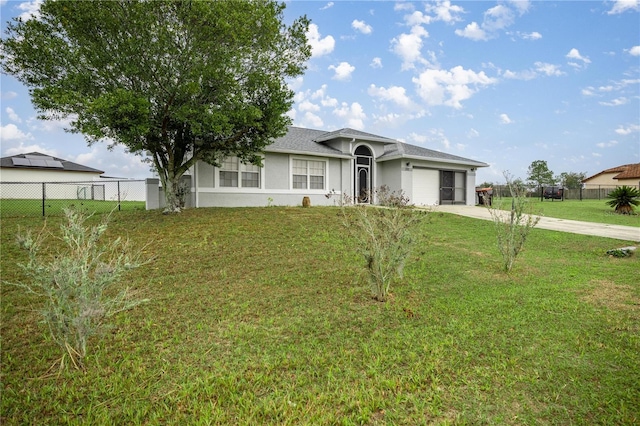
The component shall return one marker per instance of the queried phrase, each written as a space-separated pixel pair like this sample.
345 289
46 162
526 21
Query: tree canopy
180 80
539 174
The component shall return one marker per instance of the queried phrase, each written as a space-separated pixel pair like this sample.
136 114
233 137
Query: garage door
426 187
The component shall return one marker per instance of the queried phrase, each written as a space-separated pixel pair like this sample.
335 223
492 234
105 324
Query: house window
235 174
309 174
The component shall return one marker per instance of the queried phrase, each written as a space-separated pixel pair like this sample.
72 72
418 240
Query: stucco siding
27 175
276 171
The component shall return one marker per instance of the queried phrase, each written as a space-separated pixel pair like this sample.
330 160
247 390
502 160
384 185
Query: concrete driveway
618 232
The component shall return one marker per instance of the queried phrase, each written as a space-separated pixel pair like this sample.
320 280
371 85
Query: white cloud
312 120
395 94
575 54
307 105
445 12
634 51
327 6
442 87
504 119
621 6
12 115
417 138
522 6
607 144
361 26
9 95
376 63
403 6
628 130
531 36
325 101
24 149
409 46
10 133
319 46
588 91
615 102
473 133
548 69
31 9
496 19
343 71
520 75
352 114
473 32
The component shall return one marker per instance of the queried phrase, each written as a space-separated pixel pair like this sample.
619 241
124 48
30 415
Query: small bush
75 283
624 199
513 227
385 235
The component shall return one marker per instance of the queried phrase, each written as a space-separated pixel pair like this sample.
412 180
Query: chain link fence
50 198
587 192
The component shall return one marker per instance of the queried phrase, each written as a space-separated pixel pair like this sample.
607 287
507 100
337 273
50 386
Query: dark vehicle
553 192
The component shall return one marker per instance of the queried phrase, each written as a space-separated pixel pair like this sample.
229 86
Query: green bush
75 283
385 235
512 227
623 199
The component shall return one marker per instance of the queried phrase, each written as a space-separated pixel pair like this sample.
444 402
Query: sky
502 82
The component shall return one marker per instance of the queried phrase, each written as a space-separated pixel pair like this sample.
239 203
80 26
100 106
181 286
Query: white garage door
426 187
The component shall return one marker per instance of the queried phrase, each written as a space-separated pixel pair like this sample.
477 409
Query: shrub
75 283
513 227
385 235
623 199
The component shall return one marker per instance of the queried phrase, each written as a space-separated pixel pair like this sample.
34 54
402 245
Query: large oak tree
179 80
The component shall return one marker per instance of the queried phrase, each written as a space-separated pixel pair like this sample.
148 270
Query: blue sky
504 82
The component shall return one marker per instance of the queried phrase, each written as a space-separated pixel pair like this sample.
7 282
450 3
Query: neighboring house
324 166
629 175
34 168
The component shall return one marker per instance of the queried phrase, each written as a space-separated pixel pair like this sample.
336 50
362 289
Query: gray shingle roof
67 166
300 140
405 150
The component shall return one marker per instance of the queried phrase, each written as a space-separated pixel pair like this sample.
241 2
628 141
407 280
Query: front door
363 175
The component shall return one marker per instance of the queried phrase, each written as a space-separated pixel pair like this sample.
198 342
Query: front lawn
585 210
263 316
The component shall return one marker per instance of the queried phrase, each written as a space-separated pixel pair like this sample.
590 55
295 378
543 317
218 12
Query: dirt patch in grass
607 294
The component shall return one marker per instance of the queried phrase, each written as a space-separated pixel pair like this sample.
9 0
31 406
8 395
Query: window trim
240 170
325 182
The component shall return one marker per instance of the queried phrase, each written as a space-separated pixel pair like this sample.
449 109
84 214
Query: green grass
54 207
585 210
263 316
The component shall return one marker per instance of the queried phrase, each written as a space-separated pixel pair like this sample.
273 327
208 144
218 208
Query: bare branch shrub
512 226
385 235
75 283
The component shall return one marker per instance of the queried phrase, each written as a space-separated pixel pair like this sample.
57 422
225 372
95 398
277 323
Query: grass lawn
585 210
54 207
263 316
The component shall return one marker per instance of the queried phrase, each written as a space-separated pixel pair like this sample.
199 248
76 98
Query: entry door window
363 178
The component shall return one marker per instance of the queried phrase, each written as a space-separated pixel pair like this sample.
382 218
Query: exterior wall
275 185
607 179
36 175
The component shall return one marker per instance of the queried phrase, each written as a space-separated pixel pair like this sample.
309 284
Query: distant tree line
539 176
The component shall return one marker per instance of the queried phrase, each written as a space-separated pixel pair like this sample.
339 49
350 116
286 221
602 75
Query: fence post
118 195
43 197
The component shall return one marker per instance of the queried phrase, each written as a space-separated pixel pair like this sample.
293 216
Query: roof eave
308 153
471 163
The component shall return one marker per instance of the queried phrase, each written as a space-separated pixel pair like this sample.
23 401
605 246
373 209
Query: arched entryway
363 174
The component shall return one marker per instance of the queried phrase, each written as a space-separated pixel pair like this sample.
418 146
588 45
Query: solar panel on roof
20 162
37 157
54 163
38 162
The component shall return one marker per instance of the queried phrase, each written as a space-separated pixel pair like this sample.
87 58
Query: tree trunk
173 194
